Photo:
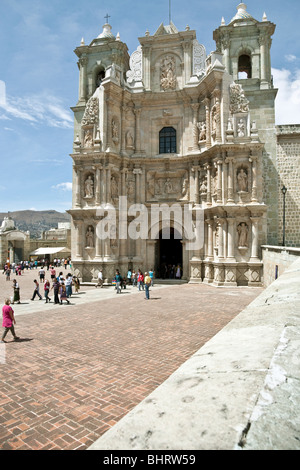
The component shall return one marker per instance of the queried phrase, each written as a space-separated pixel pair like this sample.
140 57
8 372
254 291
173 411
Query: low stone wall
276 259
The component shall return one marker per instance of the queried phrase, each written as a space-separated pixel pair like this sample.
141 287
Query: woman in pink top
8 321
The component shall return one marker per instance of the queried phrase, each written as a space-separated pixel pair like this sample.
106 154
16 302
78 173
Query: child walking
8 321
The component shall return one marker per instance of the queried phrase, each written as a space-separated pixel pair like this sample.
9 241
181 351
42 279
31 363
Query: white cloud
63 187
287 105
291 57
39 109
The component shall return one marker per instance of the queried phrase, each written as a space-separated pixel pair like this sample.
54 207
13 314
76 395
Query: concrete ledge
241 390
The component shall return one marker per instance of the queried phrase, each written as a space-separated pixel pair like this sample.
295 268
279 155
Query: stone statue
89 187
242 180
114 188
89 237
88 139
202 131
114 131
243 234
241 128
129 140
167 69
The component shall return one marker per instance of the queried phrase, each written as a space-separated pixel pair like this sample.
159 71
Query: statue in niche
129 140
88 139
89 187
131 190
214 121
243 234
113 236
114 189
202 131
242 180
168 77
203 186
241 128
114 131
90 237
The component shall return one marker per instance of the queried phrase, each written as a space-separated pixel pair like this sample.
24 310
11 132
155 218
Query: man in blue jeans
147 285
118 282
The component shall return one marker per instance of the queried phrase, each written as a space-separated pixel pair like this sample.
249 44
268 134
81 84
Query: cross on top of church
106 17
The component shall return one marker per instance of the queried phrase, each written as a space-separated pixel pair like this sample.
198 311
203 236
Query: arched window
100 75
244 67
167 140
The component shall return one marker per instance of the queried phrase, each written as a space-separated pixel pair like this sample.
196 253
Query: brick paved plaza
80 368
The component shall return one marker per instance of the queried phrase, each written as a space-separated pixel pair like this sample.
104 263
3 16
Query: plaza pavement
79 369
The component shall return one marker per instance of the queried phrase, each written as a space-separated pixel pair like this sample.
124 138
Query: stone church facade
172 125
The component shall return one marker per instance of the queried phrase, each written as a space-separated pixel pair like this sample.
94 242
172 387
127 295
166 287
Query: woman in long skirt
16 288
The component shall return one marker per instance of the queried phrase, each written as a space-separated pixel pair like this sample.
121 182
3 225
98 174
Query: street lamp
284 191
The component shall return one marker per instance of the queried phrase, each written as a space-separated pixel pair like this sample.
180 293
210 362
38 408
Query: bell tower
245 44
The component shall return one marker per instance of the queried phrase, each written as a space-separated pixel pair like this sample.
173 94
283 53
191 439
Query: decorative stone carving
241 130
175 185
90 237
135 63
91 114
114 131
168 73
202 131
199 57
131 190
89 187
238 100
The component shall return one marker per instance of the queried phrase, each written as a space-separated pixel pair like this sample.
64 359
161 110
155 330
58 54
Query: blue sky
39 78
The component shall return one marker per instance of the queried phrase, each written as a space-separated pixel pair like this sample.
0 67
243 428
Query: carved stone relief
88 139
174 185
135 63
242 230
242 179
199 56
238 100
168 73
91 114
115 131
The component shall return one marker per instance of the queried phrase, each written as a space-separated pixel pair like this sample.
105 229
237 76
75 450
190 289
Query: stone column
230 239
137 112
217 94
187 61
123 129
98 186
208 174
226 46
146 67
254 241
79 241
195 108
253 160
230 161
83 61
219 183
137 172
77 187
207 114
221 238
210 253
263 41
196 170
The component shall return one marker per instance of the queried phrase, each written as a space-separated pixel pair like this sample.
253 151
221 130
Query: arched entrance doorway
169 254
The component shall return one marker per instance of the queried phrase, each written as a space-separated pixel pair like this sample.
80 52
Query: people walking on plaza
76 284
100 279
63 293
16 296
151 274
69 282
52 272
8 321
129 274
46 291
42 274
140 280
147 285
36 291
133 278
55 287
118 281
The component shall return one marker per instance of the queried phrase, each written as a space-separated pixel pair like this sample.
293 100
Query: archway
169 254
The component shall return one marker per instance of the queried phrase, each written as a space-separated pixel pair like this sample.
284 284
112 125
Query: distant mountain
36 221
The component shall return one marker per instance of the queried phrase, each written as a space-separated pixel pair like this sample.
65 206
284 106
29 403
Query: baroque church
172 125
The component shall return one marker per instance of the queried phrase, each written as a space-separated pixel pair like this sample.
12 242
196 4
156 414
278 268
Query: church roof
106 33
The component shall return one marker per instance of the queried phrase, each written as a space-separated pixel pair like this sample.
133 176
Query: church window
244 67
167 140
